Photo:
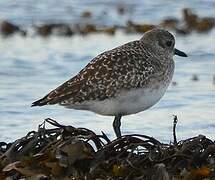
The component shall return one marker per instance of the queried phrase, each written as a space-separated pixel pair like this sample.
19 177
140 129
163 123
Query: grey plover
122 81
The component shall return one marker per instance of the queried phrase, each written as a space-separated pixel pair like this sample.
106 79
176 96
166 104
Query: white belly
127 102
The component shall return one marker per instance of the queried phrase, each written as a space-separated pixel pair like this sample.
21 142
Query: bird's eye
169 43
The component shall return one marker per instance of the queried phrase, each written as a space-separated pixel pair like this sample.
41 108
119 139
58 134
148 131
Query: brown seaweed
66 152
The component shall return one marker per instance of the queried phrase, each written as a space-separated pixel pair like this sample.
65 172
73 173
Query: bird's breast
126 102
137 100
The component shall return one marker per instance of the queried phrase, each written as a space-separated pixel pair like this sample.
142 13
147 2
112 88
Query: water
32 66
104 11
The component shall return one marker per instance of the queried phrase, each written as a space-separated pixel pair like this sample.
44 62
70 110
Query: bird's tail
40 102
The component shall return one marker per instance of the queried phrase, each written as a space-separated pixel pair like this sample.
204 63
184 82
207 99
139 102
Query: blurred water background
32 66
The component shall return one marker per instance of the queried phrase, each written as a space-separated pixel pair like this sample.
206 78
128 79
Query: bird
125 80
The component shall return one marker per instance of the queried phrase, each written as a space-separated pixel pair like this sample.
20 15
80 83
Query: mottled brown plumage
125 67
141 68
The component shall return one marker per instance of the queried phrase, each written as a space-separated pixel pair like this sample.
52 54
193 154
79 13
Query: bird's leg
116 125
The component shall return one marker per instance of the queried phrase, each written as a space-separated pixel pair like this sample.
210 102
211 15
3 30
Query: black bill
179 53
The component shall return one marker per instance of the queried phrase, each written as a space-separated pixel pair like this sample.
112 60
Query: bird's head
162 42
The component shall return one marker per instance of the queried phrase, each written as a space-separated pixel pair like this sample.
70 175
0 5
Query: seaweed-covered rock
170 23
140 28
205 24
65 152
58 29
7 28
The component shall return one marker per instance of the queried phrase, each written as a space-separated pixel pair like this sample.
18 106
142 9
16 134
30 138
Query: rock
109 30
7 28
63 30
205 25
140 28
89 28
86 14
58 29
45 30
190 18
170 23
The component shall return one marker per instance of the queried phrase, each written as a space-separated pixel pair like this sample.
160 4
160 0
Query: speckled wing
125 67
